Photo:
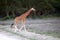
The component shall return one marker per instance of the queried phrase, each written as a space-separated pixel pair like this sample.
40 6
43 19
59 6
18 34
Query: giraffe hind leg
15 26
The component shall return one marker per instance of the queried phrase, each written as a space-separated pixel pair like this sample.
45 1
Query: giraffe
22 19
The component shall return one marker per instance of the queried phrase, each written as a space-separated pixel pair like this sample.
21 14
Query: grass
16 33
50 33
55 34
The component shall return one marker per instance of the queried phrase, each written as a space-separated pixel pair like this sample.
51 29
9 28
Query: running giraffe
22 19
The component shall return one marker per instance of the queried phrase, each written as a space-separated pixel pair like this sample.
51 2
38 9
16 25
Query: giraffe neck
28 12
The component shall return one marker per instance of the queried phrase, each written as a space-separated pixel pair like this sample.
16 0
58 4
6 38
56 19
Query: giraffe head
33 9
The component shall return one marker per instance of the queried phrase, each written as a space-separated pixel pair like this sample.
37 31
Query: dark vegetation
44 8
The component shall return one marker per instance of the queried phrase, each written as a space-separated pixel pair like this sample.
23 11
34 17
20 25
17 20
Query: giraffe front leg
23 26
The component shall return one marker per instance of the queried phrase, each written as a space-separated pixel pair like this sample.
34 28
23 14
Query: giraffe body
22 19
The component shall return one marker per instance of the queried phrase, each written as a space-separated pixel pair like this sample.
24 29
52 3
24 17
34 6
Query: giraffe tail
12 25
